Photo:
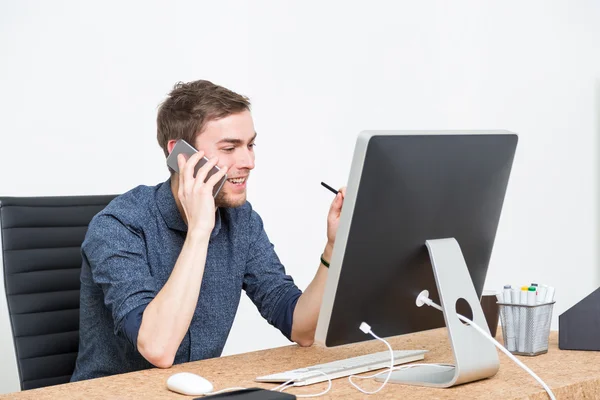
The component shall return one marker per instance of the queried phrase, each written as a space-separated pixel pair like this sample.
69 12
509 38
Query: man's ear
170 145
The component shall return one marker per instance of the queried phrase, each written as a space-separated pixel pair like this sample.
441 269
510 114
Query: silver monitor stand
475 357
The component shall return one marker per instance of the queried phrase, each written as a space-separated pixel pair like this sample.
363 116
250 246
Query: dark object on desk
41 263
491 311
250 394
579 326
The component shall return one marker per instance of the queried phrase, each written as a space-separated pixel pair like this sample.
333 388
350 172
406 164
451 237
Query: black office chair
41 261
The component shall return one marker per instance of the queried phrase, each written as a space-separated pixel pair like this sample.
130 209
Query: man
163 267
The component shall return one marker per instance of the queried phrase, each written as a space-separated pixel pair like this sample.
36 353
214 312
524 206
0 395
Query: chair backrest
41 262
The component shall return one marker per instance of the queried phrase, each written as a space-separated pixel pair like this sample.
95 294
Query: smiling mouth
237 181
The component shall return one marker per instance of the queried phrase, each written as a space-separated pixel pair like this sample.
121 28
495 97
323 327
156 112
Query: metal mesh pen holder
525 328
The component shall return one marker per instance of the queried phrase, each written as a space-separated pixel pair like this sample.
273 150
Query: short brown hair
190 106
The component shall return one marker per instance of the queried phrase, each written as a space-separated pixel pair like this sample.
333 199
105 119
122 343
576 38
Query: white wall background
80 83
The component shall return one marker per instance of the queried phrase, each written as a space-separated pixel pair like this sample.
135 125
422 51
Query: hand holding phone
183 147
195 193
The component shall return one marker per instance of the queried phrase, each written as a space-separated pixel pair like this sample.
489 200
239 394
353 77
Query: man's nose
246 160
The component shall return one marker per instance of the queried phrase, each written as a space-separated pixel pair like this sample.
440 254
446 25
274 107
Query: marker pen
531 316
531 296
509 319
542 294
537 290
522 319
506 294
329 187
515 295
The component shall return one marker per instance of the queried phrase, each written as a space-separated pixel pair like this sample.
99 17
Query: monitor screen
405 188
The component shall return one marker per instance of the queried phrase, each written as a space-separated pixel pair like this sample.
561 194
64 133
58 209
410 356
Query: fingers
182 164
336 205
190 166
186 171
216 177
339 199
188 182
204 170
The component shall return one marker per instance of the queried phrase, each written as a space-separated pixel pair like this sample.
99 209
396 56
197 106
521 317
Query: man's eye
252 145
229 149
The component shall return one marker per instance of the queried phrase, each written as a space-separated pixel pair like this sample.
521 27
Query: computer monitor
406 188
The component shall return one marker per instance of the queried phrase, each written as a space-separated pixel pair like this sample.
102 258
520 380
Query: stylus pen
329 187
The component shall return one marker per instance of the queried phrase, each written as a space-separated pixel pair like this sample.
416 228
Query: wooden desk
570 374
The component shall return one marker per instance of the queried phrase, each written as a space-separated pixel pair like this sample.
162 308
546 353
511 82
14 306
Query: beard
224 201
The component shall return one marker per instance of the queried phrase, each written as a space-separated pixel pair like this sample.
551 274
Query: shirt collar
168 209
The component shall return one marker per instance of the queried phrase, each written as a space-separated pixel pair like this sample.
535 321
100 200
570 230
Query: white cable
275 389
283 387
224 390
399 368
307 395
367 329
429 302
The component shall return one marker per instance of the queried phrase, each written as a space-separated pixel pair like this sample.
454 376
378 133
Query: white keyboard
342 368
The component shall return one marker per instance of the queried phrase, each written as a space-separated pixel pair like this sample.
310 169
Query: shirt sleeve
266 283
132 323
116 254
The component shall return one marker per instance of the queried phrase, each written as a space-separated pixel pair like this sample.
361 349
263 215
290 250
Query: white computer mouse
189 384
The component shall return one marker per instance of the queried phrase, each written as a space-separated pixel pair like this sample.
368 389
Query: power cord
367 329
423 298
287 385
223 391
282 387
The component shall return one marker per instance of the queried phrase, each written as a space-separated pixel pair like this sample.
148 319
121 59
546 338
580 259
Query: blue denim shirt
128 254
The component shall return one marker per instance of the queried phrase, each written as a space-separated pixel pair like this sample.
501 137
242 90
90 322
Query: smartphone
183 147
250 394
